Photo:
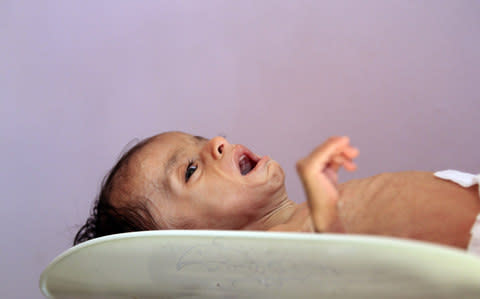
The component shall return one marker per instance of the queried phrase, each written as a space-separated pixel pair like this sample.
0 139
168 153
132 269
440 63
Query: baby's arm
318 173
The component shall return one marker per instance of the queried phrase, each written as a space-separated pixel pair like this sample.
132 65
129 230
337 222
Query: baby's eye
190 170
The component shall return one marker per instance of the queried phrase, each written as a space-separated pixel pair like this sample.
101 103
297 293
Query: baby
179 181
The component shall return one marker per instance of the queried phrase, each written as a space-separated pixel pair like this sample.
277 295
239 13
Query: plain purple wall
80 81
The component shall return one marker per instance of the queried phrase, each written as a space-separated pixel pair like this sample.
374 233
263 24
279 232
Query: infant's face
196 183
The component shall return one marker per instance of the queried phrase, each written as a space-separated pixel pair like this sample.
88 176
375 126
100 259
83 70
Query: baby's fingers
351 152
321 155
332 147
349 165
336 152
342 160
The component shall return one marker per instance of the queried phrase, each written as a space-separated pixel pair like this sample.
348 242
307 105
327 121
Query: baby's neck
282 213
297 219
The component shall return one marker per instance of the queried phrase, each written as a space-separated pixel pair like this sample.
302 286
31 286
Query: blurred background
80 80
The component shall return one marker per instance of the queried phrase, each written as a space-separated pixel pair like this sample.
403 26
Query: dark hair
106 219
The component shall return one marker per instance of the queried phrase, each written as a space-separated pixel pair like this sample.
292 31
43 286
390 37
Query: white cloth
466 180
462 178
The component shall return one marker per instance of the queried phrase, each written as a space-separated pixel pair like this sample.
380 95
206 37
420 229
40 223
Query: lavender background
79 80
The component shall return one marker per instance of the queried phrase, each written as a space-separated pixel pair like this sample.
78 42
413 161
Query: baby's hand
318 173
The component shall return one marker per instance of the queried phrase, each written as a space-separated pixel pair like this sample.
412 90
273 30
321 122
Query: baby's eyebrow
200 138
172 162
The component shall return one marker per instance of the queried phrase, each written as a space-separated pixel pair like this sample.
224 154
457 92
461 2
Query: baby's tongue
246 165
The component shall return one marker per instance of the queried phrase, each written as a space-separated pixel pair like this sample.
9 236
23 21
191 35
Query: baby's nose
216 146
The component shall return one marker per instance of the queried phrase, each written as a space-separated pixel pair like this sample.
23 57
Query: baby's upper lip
240 151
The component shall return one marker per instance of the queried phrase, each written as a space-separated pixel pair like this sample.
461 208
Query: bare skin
414 205
195 183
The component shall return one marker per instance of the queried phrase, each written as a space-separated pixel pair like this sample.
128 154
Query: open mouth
246 164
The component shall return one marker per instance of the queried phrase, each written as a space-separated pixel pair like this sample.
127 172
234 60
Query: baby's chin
271 191
274 178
